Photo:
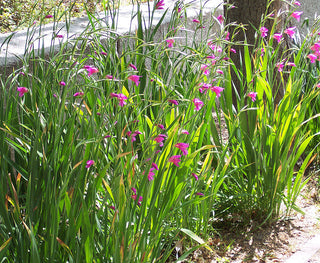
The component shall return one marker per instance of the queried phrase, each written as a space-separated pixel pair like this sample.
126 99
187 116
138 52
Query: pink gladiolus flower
297 3
133 135
219 71
112 207
278 37
195 176
160 138
204 69
318 85
150 174
312 58
280 66
253 96
227 36
78 94
89 163
195 21
220 19
135 79
121 97
161 126
175 159
55 95
155 166
170 42
204 87
103 53
291 64
134 197
133 66
48 16
91 70
290 31
109 77
197 103
315 47
200 194
174 102
217 90
22 91
59 36
233 50
184 132
62 83
263 31
160 4
297 15
183 147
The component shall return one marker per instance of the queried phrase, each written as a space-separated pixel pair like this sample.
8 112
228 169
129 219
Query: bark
250 13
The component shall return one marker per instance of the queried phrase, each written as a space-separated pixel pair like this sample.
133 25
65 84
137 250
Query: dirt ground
271 243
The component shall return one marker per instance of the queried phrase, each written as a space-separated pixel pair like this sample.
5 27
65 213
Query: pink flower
155 166
203 68
252 95
150 174
62 83
160 4
133 135
195 176
219 71
161 126
233 50
184 132
183 147
175 159
135 79
160 138
22 91
227 36
297 3
200 194
220 19
263 31
312 58
112 207
89 163
204 87
133 66
197 103
291 64
78 94
170 42
278 37
297 15
174 102
318 85
103 53
48 16
59 36
91 70
109 77
280 66
217 90
195 21
290 31
121 97
262 52
134 197
315 47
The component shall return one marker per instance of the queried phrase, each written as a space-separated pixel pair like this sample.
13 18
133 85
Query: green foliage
97 167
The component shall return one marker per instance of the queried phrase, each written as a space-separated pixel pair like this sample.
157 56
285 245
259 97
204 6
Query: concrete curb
13 45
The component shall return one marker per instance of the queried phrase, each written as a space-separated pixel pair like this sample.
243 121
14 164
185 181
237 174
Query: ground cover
117 148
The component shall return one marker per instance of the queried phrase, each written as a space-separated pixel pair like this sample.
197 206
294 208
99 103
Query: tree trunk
250 13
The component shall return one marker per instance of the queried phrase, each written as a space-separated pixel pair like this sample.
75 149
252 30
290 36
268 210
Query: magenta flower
217 90
175 159
133 66
89 163
220 19
203 68
170 42
174 102
219 71
59 36
121 98
291 64
184 132
263 31
278 37
103 53
297 3
160 138
200 194
227 36
150 174
280 66
134 197
183 147
160 126
112 207
312 58
155 166
318 85
78 94
135 79
22 91
297 15
233 50
252 95
91 70
195 176
290 31
133 135
204 87
197 103
160 4
109 77
315 47
195 21
62 83
48 16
